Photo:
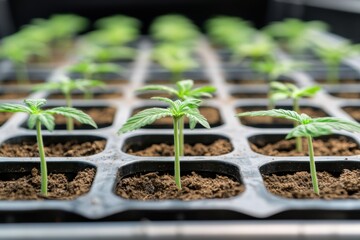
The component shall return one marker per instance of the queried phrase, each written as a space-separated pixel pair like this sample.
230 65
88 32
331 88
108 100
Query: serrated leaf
13 108
47 120
195 117
144 118
185 85
205 91
278 113
78 115
169 90
32 121
308 91
35 104
166 100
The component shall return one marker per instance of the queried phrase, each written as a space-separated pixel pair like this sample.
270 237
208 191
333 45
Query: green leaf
308 91
166 100
47 120
278 113
35 104
195 117
144 118
185 85
78 115
13 108
205 91
32 121
169 90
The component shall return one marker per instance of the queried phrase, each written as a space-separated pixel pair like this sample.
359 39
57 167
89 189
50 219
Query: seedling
177 110
273 69
95 53
89 69
280 91
118 20
111 37
309 127
174 28
332 55
66 86
39 117
295 33
175 58
259 48
184 90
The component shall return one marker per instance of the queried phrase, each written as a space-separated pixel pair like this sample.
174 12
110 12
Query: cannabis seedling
184 90
177 110
309 128
280 91
96 53
89 69
66 86
257 48
39 117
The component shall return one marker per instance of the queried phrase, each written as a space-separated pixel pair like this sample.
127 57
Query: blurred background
343 16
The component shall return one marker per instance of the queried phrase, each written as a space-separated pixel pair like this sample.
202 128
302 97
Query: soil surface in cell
101 115
4 116
15 82
97 95
253 121
354 112
71 148
219 147
255 81
13 95
149 95
60 186
334 146
155 186
249 95
341 81
299 186
211 114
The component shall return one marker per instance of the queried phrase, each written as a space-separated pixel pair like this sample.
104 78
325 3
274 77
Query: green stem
312 166
21 73
271 102
333 73
181 136
69 120
177 153
298 141
43 167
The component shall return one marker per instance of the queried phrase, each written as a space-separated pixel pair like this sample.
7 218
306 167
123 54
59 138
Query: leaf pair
280 91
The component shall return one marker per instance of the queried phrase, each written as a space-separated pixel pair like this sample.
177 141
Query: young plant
118 20
112 37
309 128
258 48
273 69
94 53
39 117
175 58
184 90
332 55
280 91
177 110
66 86
88 69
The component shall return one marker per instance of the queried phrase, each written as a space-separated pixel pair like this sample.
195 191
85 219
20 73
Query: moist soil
97 95
219 147
253 121
71 148
211 114
101 115
331 186
13 95
249 95
60 186
4 116
334 146
155 186
354 112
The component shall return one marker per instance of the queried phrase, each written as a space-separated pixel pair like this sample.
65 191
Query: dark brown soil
259 81
219 147
155 186
101 115
59 186
15 82
354 112
347 95
13 95
211 114
4 116
100 95
340 146
298 185
150 95
249 95
341 81
71 148
253 121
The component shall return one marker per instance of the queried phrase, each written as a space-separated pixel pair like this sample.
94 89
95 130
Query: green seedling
66 86
19 50
175 58
174 28
112 37
183 90
273 69
309 128
177 110
89 69
332 55
95 53
118 20
229 31
280 91
39 117
295 34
